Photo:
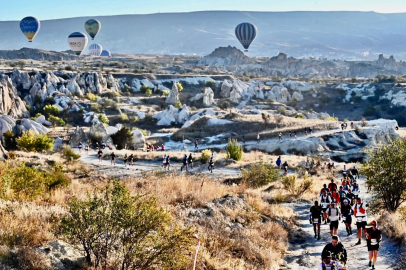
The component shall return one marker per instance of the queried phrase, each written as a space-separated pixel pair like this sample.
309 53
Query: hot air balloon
77 42
105 53
95 49
92 27
30 27
246 33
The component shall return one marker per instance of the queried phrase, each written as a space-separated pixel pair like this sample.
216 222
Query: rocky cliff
36 54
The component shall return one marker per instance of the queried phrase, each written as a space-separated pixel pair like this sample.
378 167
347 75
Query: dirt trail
305 251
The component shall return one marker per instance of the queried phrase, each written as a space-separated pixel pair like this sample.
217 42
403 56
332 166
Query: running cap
346 201
374 222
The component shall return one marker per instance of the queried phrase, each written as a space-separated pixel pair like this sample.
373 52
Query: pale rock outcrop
202 113
136 85
183 115
41 119
58 144
77 136
99 130
207 96
235 96
138 139
113 82
297 96
171 115
279 94
187 124
38 91
10 103
6 123
173 95
62 256
111 130
226 88
73 86
30 125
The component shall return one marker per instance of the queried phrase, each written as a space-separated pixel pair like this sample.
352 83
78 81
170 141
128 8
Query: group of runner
342 204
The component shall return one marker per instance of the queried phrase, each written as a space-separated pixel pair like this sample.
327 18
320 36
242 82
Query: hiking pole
197 249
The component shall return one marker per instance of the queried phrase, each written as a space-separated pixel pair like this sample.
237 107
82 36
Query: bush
91 97
122 138
135 230
103 118
165 93
109 104
9 140
69 68
224 105
301 116
330 118
234 150
177 104
180 87
211 84
386 175
30 142
27 258
69 155
124 118
282 110
205 156
56 121
96 108
259 175
148 93
144 89
290 184
51 110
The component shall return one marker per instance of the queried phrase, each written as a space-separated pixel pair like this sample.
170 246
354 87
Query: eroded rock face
138 139
10 103
77 136
173 95
99 130
208 98
279 94
226 89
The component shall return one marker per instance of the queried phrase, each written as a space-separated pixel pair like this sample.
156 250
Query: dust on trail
305 251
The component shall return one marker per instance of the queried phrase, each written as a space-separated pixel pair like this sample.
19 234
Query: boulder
73 86
99 130
111 130
31 125
6 123
138 139
226 88
297 96
173 95
208 98
58 144
235 96
279 94
113 83
183 115
63 256
166 117
77 136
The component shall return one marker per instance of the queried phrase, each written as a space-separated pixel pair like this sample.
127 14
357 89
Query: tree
122 138
259 175
386 175
31 142
234 150
132 232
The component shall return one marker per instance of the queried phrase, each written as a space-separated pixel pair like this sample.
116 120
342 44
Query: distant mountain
36 54
345 35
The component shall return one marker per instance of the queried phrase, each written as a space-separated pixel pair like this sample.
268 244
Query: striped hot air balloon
105 53
95 49
246 33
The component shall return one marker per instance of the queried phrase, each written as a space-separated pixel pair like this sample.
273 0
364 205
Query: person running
335 196
332 186
97 145
125 158
243 139
315 219
328 263
258 138
342 194
113 158
355 189
345 183
285 167
325 201
295 134
280 136
168 162
279 162
310 131
324 189
334 215
184 161
211 163
355 171
346 213
336 249
164 162
87 149
360 213
131 158
100 155
80 145
374 237
351 197
162 148
196 145
190 160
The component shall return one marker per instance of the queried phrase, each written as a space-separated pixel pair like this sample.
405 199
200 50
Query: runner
243 139
285 166
337 250
125 158
346 213
211 164
315 219
131 159
279 162
87 149
342 194
332 186
168 162
100 154
325 201
162 148
258 138
97 145
360 213
280 136
327 262
196 145
351 197
113 158
190 160
80 146
355 189
336 196
334 215
325 188
184 161
374 237
164 162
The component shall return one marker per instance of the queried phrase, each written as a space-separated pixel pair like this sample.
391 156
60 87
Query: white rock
173 95
138 139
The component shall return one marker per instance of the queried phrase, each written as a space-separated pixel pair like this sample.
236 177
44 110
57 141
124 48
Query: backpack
325 268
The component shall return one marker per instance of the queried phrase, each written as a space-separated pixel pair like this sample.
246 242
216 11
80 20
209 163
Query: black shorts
361 225
333 225
348 219
372 247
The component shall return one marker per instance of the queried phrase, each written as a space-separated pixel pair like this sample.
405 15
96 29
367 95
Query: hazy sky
55 9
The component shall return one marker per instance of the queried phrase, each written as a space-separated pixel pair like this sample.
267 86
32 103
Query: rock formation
226 56
98 130
138 139
173 95
10 103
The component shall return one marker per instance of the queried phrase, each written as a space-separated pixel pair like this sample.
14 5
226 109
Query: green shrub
282 110
109 104
96 108
91 96
289 182
330 118
143 234
299 116
51 110
122 138
124 118
148 92
205 156
211 84
259 175
9 140
224 105
144 89
69 155
56 121
180 87
103 118
177 104
30 142
165 93
234 150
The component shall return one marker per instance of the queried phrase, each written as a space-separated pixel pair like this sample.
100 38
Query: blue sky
55 9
